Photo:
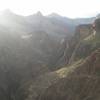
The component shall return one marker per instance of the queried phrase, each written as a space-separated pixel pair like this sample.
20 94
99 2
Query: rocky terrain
79 81
81 84
49 57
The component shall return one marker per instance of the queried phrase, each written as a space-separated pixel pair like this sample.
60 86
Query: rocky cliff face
79 81
81 84
97 25
74 45
83 30
33 51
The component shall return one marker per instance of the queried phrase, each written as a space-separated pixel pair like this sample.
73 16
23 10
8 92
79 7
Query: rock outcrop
81 84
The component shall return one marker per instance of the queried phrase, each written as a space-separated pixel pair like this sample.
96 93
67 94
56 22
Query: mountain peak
39 13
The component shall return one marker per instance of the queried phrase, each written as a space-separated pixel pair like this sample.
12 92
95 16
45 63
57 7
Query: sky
68 8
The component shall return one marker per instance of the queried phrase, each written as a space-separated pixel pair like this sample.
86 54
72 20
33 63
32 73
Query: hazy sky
69 8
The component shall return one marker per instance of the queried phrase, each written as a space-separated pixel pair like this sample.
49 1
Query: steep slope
88 41
70 46
81 84
82 32
85 40
82 81
29 48
34 88
22 59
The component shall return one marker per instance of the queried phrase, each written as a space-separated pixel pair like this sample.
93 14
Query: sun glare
69 8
